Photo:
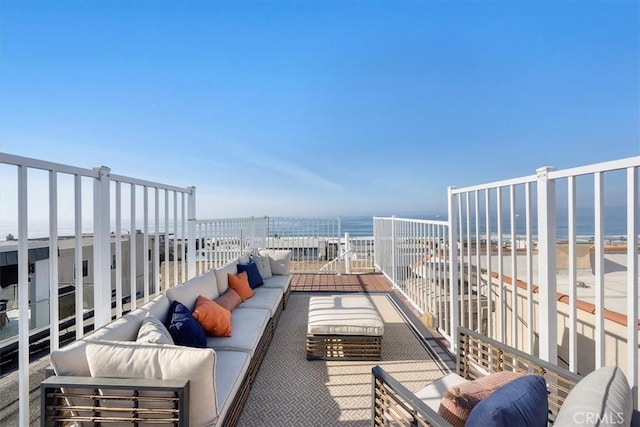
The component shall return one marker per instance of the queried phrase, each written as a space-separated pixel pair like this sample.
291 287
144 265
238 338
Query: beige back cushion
72 359
221 275
158 307
188 292
280 260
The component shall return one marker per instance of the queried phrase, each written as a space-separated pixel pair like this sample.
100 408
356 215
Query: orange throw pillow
215 319
240 284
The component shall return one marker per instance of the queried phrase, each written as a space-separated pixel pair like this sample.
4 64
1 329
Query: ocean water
615 225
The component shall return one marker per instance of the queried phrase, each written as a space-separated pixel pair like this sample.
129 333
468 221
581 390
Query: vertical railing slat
490 311
478 264
191 239
183 237
459 320
165 282
514 267
573 319
453 270
175 238
145 243
54 303
632 282
118 248
501 303
78 279
468 265
156 242
529 238
599 268
23 297
133 237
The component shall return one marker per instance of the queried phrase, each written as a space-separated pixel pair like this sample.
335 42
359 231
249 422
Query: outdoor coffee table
346 327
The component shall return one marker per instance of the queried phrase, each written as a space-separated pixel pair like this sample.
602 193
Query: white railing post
347 254
453 267
547 303
101 248
23 298
54 330
118 249
393 252
252 238
191 239
133 237
78 257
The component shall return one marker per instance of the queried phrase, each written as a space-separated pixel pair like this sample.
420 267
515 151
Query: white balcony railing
98 207
547 263
316 243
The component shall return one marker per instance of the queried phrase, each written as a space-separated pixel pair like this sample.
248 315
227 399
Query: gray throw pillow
602 398
153 331
264 265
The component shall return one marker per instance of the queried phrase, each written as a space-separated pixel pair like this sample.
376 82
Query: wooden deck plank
366 282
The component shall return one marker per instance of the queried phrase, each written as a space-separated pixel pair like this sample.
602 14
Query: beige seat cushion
264 298
343 315
248 325
278 282
231 368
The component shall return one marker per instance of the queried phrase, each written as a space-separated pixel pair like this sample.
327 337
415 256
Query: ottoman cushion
343 315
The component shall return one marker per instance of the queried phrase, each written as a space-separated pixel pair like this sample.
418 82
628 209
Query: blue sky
320 107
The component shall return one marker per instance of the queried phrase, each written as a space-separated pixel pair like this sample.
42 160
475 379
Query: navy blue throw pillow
184 328
255 279
521 402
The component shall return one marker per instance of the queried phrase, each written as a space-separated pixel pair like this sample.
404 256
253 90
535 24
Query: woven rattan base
343 347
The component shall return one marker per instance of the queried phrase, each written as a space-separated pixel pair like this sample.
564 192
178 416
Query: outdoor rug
291 391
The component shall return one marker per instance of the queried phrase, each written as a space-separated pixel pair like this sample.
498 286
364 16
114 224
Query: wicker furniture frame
344 347
114 401
394 404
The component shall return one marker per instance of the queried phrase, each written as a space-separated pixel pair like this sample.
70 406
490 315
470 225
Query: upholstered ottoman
344 327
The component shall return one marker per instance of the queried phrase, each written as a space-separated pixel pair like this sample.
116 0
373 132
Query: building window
85 268
113 262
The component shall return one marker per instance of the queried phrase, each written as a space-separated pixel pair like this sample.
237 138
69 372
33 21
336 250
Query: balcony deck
303 283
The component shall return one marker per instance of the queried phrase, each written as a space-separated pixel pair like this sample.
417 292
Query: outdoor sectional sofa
108 376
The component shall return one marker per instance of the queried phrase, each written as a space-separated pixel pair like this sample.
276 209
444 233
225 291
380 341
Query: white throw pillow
152 331
264 265
119 359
